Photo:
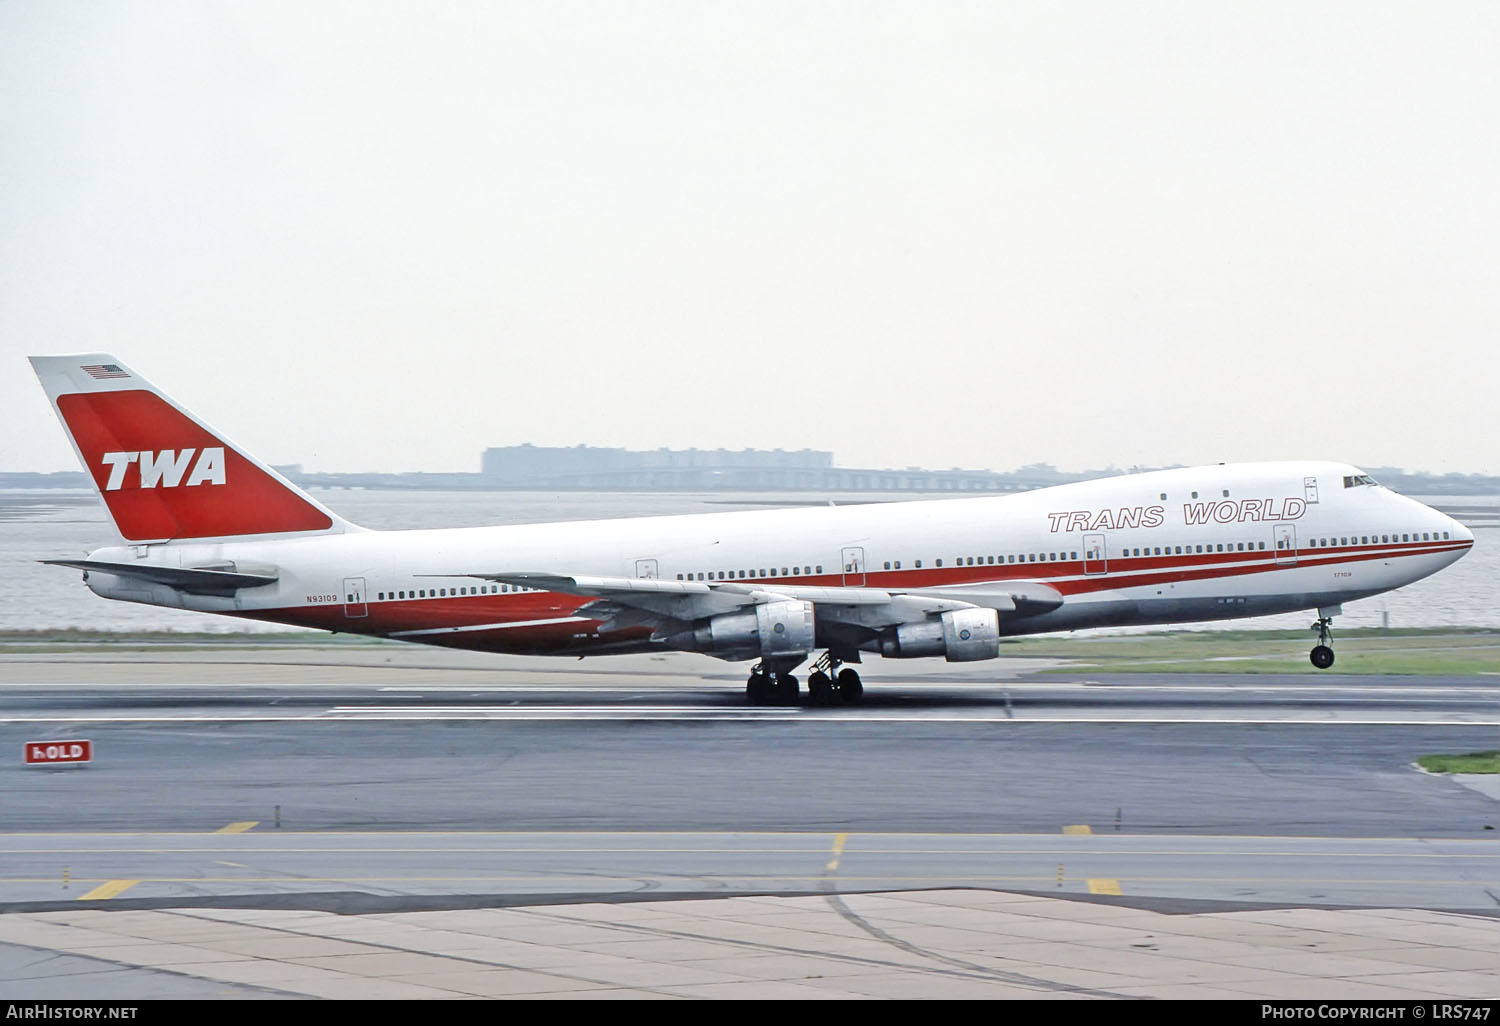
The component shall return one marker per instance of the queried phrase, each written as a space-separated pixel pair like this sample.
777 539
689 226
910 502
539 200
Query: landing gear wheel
786 689
1322 653
758 688
851 689
819 688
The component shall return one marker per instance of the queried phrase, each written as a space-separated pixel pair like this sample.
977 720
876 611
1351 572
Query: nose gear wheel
1322 653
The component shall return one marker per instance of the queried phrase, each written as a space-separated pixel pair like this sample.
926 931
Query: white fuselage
1168 546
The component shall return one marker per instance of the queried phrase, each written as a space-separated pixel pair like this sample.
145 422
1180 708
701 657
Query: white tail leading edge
210 528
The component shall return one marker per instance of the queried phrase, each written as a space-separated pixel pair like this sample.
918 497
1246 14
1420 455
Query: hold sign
54 752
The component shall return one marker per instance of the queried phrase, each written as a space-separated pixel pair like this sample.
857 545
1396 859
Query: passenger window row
1377 539
1024 557
1310 543
731 575
1181 550
1028 557
487 589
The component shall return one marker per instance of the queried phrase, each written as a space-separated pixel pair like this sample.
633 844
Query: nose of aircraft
1461 532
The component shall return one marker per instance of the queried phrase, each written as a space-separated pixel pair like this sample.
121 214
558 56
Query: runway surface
490 779
363 822
403 871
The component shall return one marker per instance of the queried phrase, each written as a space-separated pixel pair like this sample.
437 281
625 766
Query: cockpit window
1357 480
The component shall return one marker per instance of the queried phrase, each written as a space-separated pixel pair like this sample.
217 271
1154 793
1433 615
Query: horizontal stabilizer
197 581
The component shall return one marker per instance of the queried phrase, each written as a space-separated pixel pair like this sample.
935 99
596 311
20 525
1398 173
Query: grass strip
1472 762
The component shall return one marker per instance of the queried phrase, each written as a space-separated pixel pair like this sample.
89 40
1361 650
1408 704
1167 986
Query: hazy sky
383 236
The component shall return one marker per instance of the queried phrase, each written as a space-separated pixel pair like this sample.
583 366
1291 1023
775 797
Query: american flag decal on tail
105 371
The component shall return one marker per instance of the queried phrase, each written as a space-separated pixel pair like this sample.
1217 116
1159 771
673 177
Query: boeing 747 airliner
208 527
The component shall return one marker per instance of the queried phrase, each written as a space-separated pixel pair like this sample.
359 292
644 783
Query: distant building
585 466
589 467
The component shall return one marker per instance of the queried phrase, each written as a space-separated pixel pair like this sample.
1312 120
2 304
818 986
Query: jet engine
772 629
960 636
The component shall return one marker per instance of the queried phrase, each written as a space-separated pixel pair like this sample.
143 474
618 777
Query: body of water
61 524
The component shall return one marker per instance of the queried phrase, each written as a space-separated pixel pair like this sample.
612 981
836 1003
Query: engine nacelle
772 629
962 636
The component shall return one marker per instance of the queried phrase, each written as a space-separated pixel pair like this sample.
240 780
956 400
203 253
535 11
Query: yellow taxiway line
108 889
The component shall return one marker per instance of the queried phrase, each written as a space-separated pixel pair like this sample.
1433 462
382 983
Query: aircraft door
354 598
1286 545
854 567
1094 559
1310 490
646 568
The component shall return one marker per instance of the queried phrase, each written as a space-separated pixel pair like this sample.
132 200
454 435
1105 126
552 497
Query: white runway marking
1227 689
787 715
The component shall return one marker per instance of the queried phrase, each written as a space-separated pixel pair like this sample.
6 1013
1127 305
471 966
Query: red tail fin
163 473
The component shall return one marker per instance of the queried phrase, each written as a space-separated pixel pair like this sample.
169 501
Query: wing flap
1009 598
669 605
674 600
695 600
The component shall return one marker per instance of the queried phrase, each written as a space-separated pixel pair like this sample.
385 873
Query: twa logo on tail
148 456
166 468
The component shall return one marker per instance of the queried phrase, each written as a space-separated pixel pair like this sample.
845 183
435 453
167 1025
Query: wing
668 606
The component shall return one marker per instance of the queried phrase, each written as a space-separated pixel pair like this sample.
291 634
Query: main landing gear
1322 653
767 687
826 684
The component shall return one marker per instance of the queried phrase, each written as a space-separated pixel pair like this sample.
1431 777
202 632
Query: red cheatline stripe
1132 580
486 612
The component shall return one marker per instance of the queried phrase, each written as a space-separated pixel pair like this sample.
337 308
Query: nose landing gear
1322 653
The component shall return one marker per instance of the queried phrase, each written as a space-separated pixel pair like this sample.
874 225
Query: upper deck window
1357 480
